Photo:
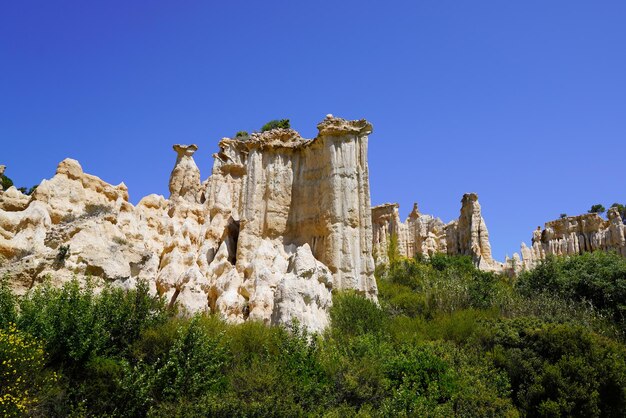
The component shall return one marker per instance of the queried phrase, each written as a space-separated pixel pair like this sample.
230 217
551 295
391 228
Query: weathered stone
280 222
427 235
576 235
185 177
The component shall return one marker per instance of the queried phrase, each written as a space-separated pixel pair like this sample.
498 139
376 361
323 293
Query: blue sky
523 102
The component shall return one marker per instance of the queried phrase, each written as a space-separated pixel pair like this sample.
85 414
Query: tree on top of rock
275 124
599 209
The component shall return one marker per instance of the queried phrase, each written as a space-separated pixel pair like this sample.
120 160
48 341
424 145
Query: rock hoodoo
426 235
280 222
576 235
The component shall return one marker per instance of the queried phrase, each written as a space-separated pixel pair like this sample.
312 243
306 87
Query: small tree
563 215
6 182
275 124
243 135
393 252
599 209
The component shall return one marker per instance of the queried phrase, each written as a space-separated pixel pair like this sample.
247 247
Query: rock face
427 235
576 235
2 168
280 222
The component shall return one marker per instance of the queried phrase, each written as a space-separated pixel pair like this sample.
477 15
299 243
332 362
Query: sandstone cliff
280 222
576 235
427 235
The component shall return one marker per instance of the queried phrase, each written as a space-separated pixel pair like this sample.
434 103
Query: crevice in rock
170 305
231 236
212 299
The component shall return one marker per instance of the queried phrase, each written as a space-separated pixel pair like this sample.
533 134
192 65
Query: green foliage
22 375
393 253
352 315
63 253
597 278
76 324
447 340
563 216
8 303
442 284
597 209
6 182
559 370
276 124
243 135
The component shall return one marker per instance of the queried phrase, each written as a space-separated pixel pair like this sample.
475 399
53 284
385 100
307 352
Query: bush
6 182
76 324
196 364
597 209
22 374
8 303
352 315
441 284
598 278
243 135
276 124
449 340
560 370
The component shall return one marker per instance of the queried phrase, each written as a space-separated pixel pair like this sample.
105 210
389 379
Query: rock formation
2 168
280 222
576 235
427 235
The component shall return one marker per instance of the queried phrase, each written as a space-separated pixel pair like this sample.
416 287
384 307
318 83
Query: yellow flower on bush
21 371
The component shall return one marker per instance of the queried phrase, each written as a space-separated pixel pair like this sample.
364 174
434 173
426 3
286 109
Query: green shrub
8 303
559 370
76 324
597 209
196 364
352 314
63 253
243 135
6 182
598 278
22 374
441 284
276 124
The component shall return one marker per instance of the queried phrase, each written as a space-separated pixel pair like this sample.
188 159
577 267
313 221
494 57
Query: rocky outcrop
575 235
427 235
280 222
2 169
185 177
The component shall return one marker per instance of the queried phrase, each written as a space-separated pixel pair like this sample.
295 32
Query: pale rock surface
280 222
427 235
185 177
576 235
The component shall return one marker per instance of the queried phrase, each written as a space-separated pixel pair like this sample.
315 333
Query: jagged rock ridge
576 235
280 222
427 235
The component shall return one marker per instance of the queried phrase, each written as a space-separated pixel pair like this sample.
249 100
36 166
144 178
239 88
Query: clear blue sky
523 102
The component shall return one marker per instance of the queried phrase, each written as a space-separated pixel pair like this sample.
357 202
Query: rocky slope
426 235
280 222
576 235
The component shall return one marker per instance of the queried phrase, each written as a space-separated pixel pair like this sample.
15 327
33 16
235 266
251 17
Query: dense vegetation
446 340
276 124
